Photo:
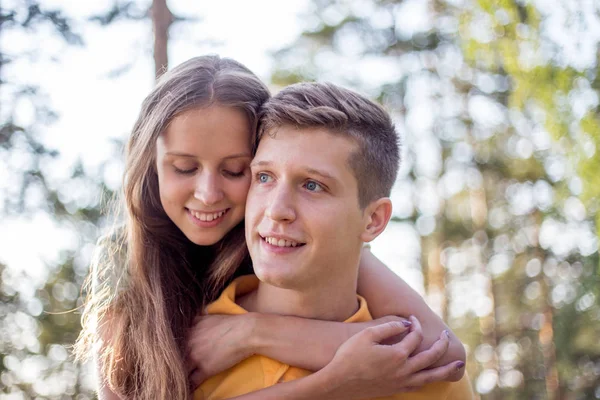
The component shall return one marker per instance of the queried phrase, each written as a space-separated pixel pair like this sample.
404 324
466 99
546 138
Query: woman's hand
376 361
364 367
218 342
389 294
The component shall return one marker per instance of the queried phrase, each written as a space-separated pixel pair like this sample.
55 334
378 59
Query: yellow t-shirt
259 372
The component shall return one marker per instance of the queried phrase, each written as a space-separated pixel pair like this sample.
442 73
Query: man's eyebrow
321 173
312 171
260 164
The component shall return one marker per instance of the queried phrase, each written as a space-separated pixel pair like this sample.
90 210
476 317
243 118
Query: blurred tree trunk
546 338
487 323
435 274
162 18
546 333
488 328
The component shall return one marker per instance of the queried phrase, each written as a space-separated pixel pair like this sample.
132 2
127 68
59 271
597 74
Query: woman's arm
104 392
388 294
363 367
218 342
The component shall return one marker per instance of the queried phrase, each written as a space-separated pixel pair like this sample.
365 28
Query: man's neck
330 300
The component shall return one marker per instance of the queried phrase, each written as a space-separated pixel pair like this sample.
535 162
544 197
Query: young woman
185 185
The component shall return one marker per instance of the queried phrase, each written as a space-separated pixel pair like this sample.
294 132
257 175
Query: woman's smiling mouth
207 219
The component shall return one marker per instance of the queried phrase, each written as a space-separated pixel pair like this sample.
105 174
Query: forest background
495 208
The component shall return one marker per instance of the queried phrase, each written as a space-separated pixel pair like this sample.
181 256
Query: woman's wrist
305 343
265 332
257 334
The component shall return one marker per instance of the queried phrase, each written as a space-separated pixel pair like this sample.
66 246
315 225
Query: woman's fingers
410 343
437 374
428 357
369 368
380 333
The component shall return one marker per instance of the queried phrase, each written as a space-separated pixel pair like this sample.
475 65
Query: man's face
303 220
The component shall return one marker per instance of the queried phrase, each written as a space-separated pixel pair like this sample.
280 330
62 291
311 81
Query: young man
326 161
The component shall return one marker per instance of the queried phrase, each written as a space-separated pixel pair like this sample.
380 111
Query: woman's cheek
244 187
174 188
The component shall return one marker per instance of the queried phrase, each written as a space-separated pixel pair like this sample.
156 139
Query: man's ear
377 215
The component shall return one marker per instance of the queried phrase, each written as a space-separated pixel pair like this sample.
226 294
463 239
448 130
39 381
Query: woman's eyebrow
183 154
179 154
239 155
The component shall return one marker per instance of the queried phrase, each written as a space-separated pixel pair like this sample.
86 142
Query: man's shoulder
362 314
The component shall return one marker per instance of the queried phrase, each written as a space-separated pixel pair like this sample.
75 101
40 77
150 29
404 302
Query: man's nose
280 205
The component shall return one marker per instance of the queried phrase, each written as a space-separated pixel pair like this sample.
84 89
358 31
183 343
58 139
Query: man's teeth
207 216
280 242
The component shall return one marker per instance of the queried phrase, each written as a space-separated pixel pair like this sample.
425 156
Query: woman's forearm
304 343
104 393
364 367
388 294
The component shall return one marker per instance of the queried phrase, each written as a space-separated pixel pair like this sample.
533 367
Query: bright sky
93 107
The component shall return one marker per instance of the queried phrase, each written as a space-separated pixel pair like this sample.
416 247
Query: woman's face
203 161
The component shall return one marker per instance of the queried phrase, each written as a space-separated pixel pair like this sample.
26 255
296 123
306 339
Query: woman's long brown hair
139 333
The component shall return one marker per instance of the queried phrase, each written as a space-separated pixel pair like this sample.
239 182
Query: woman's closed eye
234 174
184 171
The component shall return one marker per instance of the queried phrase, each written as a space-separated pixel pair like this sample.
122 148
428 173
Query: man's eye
262 177
313 186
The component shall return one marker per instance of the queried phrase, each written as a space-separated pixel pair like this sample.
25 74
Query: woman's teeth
207 216
280 242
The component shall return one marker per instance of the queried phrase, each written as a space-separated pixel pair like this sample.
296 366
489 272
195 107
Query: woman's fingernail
406 323
447 333
460 365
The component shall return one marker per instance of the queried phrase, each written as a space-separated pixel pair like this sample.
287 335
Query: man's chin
274 277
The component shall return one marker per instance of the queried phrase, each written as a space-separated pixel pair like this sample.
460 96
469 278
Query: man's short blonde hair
341 111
